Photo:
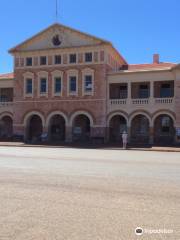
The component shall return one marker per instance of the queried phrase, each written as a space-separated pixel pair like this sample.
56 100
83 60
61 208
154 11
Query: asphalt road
83 194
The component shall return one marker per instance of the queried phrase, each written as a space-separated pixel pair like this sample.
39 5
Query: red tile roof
7 76
150 66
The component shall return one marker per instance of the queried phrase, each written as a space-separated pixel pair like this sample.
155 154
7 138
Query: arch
140 129
57 128
56 124
30 114
81 130
4 114
87 114
42 74
28 74
6 126
163 112
56 113
72 71
88 70
117 125
57 73
111 115
34 128
164 129
144 113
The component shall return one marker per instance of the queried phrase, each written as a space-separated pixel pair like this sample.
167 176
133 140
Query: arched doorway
34 128
164 130
117 126
57 128
140 129
81 128
6 128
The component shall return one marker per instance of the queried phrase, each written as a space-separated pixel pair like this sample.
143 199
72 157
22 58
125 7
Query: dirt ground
85 194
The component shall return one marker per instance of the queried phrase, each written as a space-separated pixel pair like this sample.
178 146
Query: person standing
124 139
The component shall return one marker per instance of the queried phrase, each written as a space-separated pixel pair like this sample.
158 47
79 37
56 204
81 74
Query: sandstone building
72 86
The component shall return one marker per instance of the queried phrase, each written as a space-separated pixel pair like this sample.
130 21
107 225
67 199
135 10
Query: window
88 83
166 90
143 91
72 84
29 86
3 98
72 75
72 58
57 59
43 85
123 92
57 85
118 91
165 124
57 82
43 60
88 57
29 61
143 125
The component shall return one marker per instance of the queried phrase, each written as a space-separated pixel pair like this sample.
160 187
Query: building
72 86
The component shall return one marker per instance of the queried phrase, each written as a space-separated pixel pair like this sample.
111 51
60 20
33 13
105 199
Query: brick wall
95 105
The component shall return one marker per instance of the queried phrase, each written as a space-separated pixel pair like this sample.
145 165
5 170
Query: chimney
156 58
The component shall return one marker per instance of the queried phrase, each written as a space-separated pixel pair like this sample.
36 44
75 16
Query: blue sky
137 28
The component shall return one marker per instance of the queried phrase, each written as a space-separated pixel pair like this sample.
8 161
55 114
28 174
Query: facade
71 86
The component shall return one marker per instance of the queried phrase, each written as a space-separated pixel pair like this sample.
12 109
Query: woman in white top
124 139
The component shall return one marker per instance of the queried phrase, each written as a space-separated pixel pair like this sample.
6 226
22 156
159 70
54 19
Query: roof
99 40
177 66
7 76
151 66
133 68
14 49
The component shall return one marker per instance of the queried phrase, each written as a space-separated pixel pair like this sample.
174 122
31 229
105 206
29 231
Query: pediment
58 36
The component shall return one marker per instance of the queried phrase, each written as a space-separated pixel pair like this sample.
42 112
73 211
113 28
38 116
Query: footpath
90 146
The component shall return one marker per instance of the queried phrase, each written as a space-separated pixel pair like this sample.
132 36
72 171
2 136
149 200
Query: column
98 133
68 138
151 91
19 130
45 136
151 135
45 129
107 134
129 89
129 93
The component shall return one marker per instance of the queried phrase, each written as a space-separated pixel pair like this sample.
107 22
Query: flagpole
56 10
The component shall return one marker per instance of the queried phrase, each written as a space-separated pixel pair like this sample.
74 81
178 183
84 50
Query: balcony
149 104
140 101
118 101
150 96
164 100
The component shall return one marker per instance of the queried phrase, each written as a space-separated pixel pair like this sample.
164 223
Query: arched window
165 123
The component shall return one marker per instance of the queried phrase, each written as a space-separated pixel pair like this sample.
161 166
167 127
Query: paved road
83 194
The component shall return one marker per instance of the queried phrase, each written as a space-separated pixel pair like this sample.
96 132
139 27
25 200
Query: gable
58 36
